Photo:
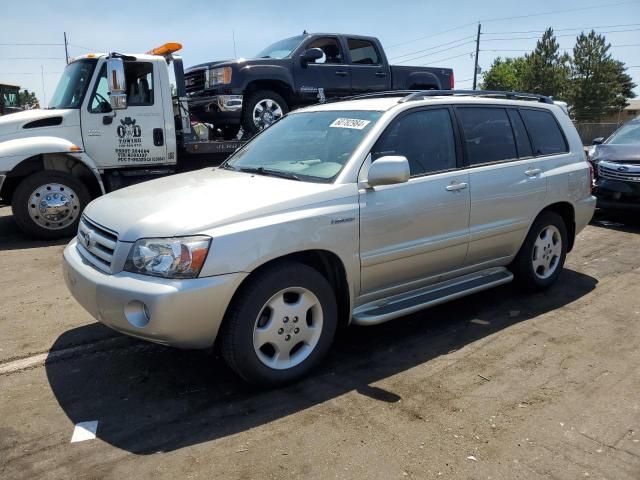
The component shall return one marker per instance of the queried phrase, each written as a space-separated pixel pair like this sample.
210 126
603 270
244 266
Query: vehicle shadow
148 398
12 238
628 222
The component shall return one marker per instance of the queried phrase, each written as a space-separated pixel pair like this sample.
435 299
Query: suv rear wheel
541 257
280 326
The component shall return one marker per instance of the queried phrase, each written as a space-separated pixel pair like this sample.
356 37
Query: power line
432 35
31 58
444 59
31 73
565 29
433 47
436 53
30 44
562 35
560 48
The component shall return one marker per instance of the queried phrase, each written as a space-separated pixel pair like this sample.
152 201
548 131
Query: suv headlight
217 76
177 257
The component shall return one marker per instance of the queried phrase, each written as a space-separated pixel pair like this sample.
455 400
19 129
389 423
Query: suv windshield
281 49
311 146
629 133
73 84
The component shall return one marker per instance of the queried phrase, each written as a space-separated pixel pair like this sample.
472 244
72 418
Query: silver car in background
351 212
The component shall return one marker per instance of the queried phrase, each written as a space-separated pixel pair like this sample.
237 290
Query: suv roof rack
417 95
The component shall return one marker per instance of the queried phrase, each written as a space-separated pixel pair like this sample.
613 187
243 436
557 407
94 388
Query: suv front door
130 137
327 77
411 233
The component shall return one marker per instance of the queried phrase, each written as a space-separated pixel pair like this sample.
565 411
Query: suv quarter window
426 137
487 134
545 133
363 52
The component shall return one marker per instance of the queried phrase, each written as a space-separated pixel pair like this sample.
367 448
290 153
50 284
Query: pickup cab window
309 146
363 52
331 49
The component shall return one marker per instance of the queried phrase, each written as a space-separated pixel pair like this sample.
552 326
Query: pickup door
369 68
331 72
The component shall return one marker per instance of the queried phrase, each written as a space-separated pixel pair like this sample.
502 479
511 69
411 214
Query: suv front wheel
280 325
542 255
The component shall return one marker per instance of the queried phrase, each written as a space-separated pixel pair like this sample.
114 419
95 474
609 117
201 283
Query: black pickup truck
294 72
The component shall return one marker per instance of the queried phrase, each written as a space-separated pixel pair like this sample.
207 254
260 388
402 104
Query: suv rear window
544 131
487 134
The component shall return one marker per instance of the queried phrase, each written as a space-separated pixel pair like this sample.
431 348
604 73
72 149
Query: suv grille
619 171
194 81
96 244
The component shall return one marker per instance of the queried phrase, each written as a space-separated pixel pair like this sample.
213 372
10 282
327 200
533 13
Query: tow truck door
134 136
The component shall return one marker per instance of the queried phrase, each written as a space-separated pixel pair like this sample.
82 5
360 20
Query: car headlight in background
217 76
177 257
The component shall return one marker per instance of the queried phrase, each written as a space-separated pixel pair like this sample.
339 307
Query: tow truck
113 121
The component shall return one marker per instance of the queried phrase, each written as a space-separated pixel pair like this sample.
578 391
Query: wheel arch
327 263
281 87
57 161
568 214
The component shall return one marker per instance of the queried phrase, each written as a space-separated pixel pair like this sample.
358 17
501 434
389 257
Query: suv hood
32 121
195 202
616 153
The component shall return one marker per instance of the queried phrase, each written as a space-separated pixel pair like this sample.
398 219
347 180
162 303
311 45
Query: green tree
547 70
504 74
599 84
28 99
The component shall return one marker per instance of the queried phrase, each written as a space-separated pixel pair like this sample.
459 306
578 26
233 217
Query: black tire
250 102
237 332
522 266
20 204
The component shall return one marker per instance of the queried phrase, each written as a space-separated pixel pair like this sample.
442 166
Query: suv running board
397 306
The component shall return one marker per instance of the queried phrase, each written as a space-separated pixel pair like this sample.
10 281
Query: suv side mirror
388 171
117 85
598 141
311 55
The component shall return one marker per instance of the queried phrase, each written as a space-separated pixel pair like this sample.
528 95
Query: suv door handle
342 73
532 172
456 186
381 74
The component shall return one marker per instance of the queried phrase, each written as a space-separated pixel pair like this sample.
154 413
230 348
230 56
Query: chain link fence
589 131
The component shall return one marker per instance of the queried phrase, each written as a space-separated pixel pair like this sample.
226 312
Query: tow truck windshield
73 84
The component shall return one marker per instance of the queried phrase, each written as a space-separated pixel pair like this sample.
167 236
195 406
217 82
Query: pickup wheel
541 257
48 204
280 325
261 109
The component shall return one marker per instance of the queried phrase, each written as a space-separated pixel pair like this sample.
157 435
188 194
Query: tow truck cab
112 122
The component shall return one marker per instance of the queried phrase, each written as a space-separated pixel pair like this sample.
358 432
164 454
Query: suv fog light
137 313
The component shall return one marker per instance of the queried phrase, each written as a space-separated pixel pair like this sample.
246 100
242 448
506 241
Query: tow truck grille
194 81
619 171
96 244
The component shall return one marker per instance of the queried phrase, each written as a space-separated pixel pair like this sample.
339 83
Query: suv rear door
412 232
369 71
508 186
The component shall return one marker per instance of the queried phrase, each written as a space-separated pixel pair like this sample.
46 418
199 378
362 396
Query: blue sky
437 31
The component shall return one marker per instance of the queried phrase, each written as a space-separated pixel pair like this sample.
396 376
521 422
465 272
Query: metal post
44 93
66 49
475 67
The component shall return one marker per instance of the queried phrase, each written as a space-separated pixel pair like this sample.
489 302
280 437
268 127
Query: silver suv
352 212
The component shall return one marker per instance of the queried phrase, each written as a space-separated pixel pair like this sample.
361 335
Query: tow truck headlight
217 76
177 257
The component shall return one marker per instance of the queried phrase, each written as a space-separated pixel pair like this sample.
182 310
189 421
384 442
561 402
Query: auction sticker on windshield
355 123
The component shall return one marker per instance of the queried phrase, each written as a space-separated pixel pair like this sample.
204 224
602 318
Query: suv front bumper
217 109
184 313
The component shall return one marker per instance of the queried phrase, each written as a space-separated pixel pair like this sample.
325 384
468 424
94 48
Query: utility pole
66 49
235 54
44 93
475 67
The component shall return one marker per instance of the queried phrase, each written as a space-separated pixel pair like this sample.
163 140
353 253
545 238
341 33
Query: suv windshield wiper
273 173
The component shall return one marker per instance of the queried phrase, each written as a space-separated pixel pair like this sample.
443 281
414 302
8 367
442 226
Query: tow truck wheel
261 109
48 204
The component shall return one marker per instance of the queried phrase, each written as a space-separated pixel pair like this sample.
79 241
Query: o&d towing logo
129 130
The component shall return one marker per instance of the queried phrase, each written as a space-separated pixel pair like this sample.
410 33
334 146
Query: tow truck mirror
311 55
117 85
